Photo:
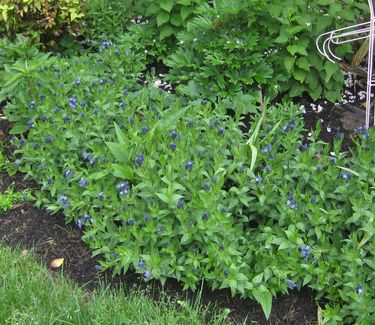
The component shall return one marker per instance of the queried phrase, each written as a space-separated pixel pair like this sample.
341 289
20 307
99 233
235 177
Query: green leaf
289 63
118 151
167 5
185 12
296 90
162 18
152 9
98 175
330 68
297 49
121 137
184 2
166 30
18 128
122 171
176 20
264 297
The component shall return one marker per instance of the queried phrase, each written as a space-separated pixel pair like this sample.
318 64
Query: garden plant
215 181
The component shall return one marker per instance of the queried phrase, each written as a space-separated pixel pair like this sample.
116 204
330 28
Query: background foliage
41 20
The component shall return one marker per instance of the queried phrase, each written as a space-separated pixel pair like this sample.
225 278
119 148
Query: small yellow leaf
57 263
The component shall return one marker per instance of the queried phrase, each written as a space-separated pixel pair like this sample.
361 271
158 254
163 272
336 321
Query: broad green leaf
162 18
167 5
165 31
118 151
123 171
297 49
264 297
289 63
18 128
121 137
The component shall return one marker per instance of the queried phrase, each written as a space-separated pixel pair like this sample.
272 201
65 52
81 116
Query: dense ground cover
211 182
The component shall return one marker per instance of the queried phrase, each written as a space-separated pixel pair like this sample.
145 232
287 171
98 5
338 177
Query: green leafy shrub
170 16
293 27
106 19
42 20
233 46
215 55
171 188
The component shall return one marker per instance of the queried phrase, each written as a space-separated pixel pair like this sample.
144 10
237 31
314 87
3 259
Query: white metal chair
351 34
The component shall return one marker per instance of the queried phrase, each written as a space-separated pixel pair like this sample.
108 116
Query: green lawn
29 294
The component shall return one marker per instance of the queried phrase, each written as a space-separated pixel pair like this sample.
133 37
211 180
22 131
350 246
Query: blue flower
102 81
292 284
189 165
147 217
267 148
92 161
117 52
32 104
306 251
346 176
48 139
144 130
139 159
22 142
125 91
204 216
64 200
173 134
223 210
44 118
30 124
66 118
68 173
180 203
147 274
83 182
267 169
291 204
73 102
122 104
160 229
199 154
141 264
123 187
85 156
172 146
258 180
207 186
359 289
220 131
190 123
101 196
36 145
57 109
131 221
98 267
78 82
95 111
226 272
79 223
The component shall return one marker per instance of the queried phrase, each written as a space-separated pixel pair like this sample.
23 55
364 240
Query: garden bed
48 235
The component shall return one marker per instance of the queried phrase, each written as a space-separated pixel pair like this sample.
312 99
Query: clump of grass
9 198
30 295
